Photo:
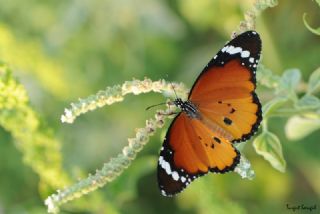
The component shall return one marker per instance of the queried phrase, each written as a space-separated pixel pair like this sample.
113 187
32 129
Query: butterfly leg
168 114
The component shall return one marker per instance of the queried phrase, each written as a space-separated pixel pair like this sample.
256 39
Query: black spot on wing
217 139
227 121
232 111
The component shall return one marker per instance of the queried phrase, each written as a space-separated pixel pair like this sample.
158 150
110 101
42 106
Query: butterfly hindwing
224 91
172 179
191 150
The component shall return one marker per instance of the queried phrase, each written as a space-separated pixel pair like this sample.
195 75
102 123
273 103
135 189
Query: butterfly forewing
224 91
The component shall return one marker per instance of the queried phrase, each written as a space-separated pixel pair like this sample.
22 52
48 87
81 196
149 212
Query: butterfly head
188 107
178 102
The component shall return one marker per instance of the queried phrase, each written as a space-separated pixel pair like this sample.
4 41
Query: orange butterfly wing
224 91
191 150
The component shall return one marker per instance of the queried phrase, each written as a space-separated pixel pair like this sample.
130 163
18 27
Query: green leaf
314 81
299 127
290 79
313 30
268 145
266 78
273 105
308 102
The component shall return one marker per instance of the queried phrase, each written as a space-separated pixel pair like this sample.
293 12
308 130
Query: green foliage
313 30
308 102
314 82
289 81
40 150
268 145
29 56
125 187
273 105
299 127
286 103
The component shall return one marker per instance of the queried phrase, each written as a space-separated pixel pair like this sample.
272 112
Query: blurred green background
63 50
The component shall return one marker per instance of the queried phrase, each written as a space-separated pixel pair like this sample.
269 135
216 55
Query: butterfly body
222 109
188 108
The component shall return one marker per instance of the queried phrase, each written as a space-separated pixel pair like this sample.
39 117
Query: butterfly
222 109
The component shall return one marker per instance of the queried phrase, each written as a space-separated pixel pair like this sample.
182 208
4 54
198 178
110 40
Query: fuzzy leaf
290 79
313 30
273 105
314 81
308 102
268 145
266 78
299 127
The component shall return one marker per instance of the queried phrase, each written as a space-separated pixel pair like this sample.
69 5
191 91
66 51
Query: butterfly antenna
174 90
155 106
172 87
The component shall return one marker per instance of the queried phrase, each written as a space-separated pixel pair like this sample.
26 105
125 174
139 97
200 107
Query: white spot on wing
251 59
183 179
160 160
175 176
245 54
165 165
224 48
167 168
229 48
235 50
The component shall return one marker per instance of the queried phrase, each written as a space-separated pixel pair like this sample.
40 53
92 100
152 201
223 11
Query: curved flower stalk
116 94
117 165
